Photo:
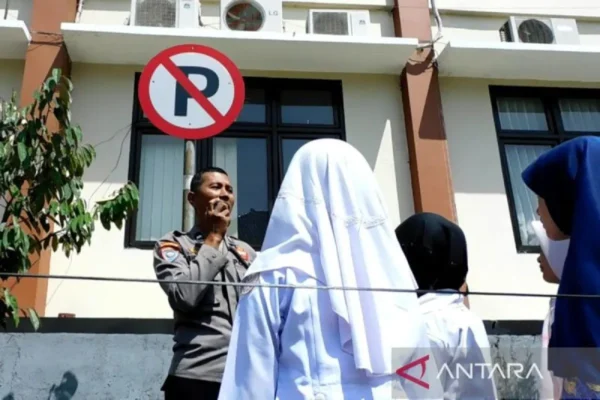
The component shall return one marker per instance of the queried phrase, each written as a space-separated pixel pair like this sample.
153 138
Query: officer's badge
249 282
169 251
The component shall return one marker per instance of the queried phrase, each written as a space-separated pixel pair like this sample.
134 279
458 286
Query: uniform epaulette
177 233
168 237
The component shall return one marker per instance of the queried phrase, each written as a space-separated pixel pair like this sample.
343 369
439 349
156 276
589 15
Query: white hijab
555 251
556 254
330 222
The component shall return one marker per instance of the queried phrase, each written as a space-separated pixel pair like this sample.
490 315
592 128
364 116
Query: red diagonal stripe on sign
192 90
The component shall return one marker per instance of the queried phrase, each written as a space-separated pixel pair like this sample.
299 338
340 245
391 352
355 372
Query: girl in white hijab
329 227
552 260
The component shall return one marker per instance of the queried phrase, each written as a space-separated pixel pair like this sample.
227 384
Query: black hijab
436 250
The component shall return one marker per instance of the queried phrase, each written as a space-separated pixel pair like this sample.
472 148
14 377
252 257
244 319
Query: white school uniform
458 337
329 226
286 346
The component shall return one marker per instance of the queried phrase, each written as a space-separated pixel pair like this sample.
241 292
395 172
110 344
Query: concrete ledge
14 39
261 51
527 61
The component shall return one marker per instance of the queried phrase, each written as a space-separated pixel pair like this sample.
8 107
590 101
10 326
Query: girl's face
547 274
551 229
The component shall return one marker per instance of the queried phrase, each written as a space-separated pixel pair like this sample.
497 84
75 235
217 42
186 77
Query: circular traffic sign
191 91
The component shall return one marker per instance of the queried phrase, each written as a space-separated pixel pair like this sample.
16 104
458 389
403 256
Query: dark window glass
289 147
255 108
245 160
307 107
580 115
521 114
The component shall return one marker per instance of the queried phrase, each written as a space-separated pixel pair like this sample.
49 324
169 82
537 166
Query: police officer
203 313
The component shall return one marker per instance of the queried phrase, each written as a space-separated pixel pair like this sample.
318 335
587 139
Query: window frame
556 134
272 130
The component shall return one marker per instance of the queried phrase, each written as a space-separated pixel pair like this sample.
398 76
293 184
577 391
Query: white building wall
103 101
481 201
116 12
103 107
11 76
482 204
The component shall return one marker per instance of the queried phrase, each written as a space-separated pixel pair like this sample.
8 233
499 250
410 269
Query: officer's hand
218 215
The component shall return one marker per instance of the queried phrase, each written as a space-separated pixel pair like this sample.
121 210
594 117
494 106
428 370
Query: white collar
434 301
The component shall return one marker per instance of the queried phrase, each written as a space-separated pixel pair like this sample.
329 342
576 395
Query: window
279 116
529 121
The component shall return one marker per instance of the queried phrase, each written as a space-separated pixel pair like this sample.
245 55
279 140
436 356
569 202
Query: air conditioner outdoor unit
540 30
165 13
338 22
252 15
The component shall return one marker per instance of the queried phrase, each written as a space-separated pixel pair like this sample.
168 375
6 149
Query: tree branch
50 235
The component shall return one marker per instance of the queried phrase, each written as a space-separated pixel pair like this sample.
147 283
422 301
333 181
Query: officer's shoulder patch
249 280
169 250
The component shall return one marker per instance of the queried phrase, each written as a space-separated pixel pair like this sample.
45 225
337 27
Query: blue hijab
568 179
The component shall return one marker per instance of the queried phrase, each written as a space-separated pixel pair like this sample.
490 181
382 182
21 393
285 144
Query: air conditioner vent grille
244 16
535 31
331 23
160 13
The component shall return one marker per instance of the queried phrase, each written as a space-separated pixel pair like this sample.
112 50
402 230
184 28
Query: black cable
320 287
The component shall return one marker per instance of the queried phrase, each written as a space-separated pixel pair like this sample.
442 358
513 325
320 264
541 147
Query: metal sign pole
188 174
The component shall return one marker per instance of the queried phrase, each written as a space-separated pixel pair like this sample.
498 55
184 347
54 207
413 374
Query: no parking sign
191 91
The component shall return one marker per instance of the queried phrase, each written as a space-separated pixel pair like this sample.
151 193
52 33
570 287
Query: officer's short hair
197 178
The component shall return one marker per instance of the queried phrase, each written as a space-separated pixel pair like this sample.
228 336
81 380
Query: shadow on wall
65 390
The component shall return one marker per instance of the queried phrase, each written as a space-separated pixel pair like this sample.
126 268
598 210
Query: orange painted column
45 52
425 133
424 118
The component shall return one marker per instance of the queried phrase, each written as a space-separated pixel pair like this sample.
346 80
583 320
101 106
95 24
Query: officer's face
214 185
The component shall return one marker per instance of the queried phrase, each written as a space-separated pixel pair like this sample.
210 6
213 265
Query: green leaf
66 191
34 318
54 243
11 302
56 74
22 151
37 204
9 299
105 221
5 238
70 137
